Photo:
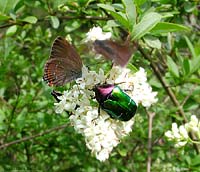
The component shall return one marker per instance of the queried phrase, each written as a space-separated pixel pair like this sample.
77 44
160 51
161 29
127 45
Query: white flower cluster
180 135
135 85
101 132
97 33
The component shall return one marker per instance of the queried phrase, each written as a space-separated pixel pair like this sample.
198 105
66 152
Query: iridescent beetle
65 65
115 102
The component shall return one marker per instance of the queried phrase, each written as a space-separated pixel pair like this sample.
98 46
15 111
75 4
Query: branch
164 84
150 121
33 136
12 113
7 25
168 90
84 17
188 96
61 18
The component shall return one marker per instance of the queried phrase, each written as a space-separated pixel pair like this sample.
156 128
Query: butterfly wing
64 64
118 53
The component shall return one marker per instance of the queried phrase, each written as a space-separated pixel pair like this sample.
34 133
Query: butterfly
64 64
118 53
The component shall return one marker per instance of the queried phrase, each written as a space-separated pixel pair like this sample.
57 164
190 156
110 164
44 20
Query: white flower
180 135
101 132
180 144
96 33
60 106
103 155
135 84
183 132
175 131
169 135
194 120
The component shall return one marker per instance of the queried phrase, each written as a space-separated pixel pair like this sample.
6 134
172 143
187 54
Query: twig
150 120
168 90
7 25
12 113
164 84
49 7
188 96
61 18
33 136
84 17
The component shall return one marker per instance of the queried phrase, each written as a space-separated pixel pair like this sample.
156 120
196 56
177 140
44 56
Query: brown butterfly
64 64
118 53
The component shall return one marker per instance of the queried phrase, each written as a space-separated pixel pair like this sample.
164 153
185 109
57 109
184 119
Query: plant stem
168 91
33 136
150 120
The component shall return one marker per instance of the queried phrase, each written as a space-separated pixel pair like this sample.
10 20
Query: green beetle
113 100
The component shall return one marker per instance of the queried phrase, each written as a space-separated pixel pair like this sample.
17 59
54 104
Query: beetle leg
99 110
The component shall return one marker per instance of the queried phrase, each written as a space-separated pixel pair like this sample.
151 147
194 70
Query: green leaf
172 67
2 116
122 152
145 25
4 18
130 13
189 7
165 27
194 80
106 7
121 18
190 46
7 5
11 30
132 67
112 23
195 161
30 19
186 66
55 22
13 16
20 120
195 64
118 16
74 25
152 41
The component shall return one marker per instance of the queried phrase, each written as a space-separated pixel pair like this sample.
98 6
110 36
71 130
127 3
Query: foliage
167 34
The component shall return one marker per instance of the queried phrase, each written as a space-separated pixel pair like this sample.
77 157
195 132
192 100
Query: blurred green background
27 30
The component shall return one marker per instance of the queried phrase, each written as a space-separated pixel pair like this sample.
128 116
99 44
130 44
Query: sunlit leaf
186 66
7 5
4 18
165 27
173 68
130 12
118 16
195 64
190 46
11 30
30 19
55 22
145 25
152 41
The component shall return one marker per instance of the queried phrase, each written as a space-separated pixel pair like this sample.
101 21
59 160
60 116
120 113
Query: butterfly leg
56 95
